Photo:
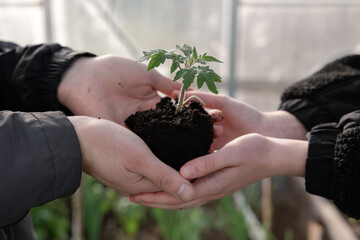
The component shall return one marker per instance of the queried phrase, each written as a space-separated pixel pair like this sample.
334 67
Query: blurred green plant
232 221
52 221
97 201
289 234
181 224
130 216
101 204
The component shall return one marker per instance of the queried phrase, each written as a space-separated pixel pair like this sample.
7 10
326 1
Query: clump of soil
174 138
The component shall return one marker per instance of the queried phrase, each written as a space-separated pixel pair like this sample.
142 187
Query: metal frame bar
45 5
48 21
233 47
118 29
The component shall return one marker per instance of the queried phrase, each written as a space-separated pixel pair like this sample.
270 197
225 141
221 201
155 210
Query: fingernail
133 200
185 192
188 171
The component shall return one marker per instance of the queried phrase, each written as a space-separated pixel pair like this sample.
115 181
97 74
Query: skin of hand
239 163
111 87
118 158
234 118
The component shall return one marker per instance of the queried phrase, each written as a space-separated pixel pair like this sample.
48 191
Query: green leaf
195 55
156 60
201 61
186 49
208 76
189 77
200 82
174 66
177 60
210 84
179 74
147 54
209 58
171 55
185 64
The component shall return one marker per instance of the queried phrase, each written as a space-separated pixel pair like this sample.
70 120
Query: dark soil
174 139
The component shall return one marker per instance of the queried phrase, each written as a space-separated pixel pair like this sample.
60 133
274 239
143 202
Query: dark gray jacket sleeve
40 161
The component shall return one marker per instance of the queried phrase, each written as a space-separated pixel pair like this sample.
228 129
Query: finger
165 84
155 197
167 179
202 166
211 100
176 92
145 186
173 205
162 200
216 115
206 188
218 130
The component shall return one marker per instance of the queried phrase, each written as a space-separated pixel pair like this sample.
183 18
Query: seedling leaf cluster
188 66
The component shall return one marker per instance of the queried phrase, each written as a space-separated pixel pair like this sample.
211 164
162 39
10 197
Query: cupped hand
233 118
111 87
118 158
239 163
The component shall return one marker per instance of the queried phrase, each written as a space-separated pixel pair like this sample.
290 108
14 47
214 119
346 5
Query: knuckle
209 165
164 181
223 100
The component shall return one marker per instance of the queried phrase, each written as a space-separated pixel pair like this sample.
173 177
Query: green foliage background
106 212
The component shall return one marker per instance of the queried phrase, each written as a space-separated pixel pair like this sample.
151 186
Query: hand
121 160
234 118
111 87
239 163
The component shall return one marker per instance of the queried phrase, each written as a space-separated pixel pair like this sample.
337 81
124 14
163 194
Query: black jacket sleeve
327 95
29 75
40 161
40 156
328 104
333 163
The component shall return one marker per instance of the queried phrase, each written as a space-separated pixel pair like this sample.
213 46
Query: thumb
169 180
202 166
164 84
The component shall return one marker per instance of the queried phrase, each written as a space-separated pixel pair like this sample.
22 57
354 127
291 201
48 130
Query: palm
113 88
238 118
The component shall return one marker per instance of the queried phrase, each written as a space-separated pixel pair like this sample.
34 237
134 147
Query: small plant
189 66
177 134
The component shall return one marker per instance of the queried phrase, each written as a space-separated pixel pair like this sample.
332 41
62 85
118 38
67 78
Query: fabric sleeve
333 163
327 95
29 76
40 161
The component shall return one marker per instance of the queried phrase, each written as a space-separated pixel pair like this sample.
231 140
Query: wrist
70 81
286 157
81 125
282 124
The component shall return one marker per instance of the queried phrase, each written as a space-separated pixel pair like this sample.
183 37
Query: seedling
187 66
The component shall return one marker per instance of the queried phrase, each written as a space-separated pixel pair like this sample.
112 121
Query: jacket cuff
58 64
319 172
64 152
39 73
306 111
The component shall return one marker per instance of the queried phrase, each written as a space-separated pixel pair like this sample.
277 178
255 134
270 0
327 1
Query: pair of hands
250 146
112 88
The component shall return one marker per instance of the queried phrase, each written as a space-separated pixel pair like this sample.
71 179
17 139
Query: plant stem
188 64
181 99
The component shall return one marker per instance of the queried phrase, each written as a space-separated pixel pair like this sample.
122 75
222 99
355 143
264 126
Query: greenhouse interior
265 46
